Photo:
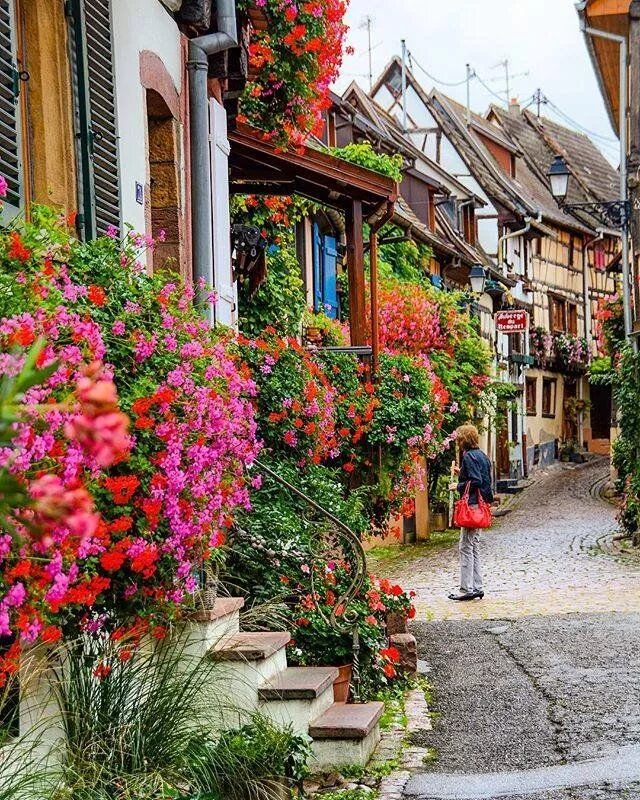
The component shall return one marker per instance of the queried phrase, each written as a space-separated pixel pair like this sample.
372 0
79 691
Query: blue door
317 268
330 276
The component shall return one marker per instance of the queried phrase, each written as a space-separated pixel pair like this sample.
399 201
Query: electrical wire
488 88
433 78
575 124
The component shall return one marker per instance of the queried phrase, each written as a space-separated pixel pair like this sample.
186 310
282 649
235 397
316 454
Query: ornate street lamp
477 278
614 213
559 179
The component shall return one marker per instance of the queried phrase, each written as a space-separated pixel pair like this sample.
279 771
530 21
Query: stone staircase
259 679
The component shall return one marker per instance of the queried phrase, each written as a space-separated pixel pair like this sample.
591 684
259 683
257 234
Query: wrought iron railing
333 541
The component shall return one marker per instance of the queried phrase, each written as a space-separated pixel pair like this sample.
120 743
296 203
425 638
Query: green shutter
96 115
9 86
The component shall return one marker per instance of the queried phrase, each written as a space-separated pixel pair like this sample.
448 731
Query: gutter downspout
201 203
624 91
502 239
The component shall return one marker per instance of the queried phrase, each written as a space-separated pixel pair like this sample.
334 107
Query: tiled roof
540 140
526 195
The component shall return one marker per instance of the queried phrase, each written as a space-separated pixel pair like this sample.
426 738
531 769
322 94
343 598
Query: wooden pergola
257 166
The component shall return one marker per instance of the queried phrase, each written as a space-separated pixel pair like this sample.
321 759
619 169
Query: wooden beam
633 161
373 272
355 273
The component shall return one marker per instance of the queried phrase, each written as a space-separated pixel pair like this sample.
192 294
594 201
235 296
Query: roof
526 195
376 121
445 241
611 16
539 140
257 166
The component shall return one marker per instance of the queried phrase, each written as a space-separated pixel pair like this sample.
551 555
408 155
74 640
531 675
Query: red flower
121 524
102 671
141 405
122 488
389 670
112 560
50 634
97 295
23 336
392 653
144 423
17 249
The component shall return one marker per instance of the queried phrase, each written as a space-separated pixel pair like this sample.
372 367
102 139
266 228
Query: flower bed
156 515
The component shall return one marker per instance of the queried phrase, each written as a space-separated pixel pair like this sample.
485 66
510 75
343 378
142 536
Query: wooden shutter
9 87
102 108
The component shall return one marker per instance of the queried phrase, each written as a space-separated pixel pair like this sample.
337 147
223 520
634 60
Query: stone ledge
299 683
224 607
250 646
347 721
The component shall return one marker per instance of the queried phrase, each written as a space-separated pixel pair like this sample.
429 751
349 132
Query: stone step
205 628
345 734
347 721
299 683
251 646
298 695
248 661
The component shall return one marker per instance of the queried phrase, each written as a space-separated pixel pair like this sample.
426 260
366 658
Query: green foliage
601 371
280 300
365 156
408 261
139 724
626 450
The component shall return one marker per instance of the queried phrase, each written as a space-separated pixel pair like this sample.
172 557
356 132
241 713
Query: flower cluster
141 510
572 352
540 345
296 408
293 61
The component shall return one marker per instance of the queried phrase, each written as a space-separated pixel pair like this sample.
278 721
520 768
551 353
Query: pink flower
4 186
118 327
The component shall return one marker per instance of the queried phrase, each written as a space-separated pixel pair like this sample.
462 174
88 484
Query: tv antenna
508 77
367 23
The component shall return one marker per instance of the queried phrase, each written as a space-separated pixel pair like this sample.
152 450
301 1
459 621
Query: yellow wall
50 140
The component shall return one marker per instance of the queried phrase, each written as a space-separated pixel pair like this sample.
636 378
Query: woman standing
475 470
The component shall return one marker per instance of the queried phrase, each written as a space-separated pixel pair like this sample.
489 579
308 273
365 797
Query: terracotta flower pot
341 684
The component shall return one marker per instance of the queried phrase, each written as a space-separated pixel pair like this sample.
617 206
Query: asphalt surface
540 705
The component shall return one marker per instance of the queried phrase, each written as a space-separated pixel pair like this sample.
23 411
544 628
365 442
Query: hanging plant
292 62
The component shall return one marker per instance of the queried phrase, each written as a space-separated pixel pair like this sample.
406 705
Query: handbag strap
465 494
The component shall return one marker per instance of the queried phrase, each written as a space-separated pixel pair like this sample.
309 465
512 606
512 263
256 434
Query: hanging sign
514 321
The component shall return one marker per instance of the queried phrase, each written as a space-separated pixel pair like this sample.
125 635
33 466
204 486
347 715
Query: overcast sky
541 37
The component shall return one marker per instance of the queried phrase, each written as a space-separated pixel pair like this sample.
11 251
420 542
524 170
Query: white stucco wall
148 27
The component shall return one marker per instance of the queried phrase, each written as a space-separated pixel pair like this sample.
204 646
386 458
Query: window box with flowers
571 352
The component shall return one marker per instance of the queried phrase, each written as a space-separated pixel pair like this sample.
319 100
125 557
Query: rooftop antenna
470 74
508 77
367 23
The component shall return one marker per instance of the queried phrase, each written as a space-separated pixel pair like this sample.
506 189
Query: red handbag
470 516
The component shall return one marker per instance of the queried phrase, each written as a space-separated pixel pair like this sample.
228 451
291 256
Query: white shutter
226 308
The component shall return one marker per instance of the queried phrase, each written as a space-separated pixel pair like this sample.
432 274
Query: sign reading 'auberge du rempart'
514 321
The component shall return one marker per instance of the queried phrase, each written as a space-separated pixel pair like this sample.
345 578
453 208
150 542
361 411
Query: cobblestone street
536 689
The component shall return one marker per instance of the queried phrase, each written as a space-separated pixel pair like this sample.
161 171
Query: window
548 397
599 256
564 316
572 321
575 252
532 396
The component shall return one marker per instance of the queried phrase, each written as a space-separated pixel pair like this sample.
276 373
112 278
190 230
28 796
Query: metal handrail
347 621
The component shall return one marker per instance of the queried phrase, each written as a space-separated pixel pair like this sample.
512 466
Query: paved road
536 692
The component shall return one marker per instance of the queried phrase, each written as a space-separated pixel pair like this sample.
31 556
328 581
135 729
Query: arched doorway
164 196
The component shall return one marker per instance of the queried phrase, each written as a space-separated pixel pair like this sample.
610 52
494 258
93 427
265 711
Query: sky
538 37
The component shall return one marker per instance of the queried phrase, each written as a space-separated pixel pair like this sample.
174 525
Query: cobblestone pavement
539 559
544 674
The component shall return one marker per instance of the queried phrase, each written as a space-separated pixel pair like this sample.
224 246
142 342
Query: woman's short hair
468 437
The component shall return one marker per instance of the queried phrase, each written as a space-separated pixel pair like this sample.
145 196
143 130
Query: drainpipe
622 124
200 49
513 234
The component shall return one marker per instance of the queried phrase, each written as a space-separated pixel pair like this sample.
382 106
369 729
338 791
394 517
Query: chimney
514 106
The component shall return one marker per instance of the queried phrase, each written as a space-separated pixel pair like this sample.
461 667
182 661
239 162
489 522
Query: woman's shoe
479 594
463 596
